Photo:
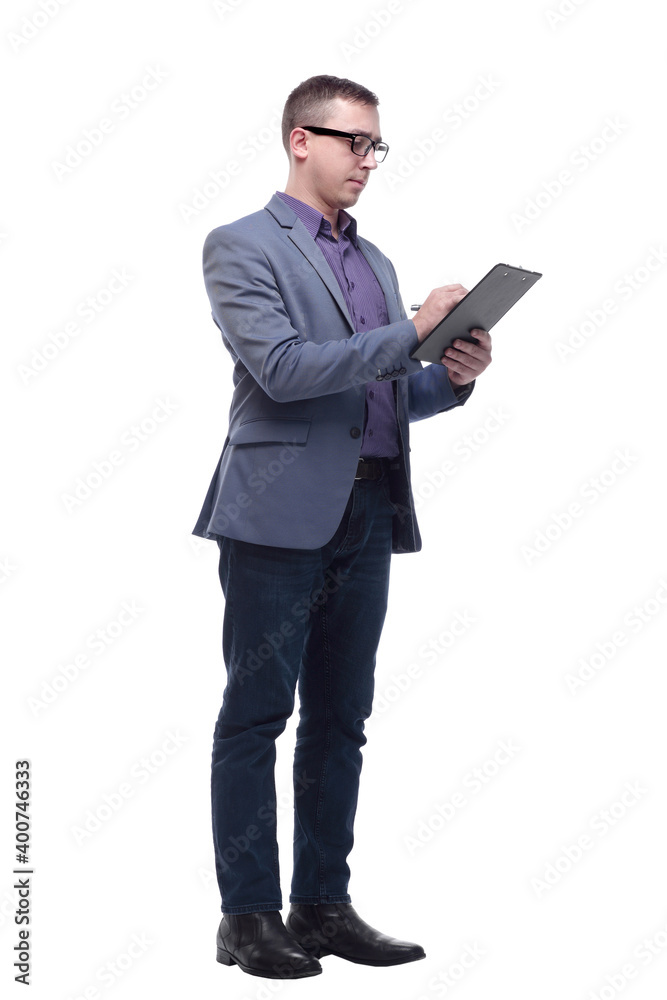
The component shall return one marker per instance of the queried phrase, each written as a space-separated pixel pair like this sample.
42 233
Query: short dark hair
311 103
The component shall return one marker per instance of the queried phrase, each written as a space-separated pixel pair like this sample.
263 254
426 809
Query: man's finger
465 347
483 337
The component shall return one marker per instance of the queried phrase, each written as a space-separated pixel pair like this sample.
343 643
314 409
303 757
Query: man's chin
350 196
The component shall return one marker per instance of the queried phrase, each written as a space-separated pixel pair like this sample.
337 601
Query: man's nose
369 160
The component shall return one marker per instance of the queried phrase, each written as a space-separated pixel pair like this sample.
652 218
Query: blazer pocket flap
267 431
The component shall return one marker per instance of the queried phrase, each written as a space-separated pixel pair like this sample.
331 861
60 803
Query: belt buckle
373 467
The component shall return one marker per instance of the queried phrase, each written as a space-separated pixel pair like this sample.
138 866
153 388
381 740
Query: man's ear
298 143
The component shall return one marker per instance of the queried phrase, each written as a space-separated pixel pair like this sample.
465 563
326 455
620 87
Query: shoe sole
318 953
225 958
377 965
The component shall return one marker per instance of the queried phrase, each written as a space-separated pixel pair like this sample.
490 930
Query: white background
544 597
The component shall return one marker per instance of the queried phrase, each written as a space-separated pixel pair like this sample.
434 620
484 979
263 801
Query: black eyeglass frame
383 147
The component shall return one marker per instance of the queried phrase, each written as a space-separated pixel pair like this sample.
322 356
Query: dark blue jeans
312 616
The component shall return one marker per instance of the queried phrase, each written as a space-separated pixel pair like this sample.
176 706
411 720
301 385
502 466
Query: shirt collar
314 220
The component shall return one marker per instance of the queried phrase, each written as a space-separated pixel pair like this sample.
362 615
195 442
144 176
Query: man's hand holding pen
464 361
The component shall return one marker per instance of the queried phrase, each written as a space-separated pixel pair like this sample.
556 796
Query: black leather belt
372 468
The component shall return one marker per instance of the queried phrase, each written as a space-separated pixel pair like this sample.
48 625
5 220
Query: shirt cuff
462 391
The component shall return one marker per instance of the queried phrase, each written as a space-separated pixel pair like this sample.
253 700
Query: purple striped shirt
365 301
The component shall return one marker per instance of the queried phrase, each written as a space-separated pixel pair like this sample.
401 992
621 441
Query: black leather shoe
260 945
337 929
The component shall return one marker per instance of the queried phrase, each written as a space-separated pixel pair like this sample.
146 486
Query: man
310 497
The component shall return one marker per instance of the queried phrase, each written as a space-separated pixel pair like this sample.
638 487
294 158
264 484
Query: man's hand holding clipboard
452 324
464 360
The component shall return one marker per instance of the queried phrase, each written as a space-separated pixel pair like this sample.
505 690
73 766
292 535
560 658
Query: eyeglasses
359 144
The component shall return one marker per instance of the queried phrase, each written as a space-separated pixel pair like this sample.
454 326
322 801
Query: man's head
314 101
324 166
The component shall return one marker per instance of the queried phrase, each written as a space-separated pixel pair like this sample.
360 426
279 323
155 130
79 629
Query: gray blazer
300 373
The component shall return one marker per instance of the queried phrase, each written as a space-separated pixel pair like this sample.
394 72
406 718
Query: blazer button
355 432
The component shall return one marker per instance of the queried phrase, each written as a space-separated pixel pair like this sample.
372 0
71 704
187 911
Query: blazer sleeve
429 390
249 309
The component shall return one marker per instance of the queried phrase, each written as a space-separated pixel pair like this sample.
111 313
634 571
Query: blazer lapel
301 238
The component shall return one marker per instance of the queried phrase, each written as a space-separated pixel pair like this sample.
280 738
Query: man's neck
294 190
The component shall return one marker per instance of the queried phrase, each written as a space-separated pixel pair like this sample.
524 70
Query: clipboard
480 309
